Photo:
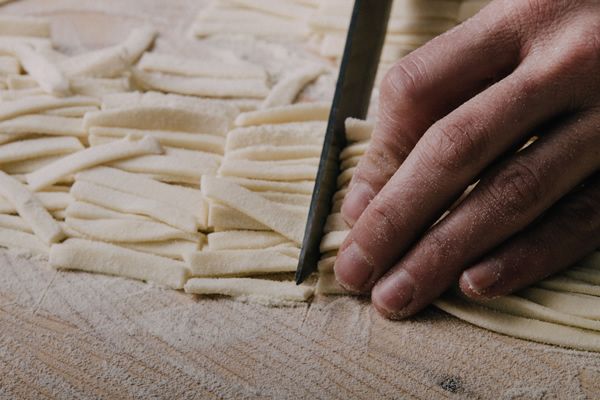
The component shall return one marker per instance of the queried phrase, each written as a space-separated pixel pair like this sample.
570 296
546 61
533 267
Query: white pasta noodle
238 287
236 240
47 74
301 112
109 259
24 26
90 157
44 124
34 148
239 262
30 209
36 104
269 170
22 240
289 86
290 134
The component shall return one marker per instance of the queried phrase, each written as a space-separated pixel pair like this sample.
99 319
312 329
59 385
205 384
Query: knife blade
364 43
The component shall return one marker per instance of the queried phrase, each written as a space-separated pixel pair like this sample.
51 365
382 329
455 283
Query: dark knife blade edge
358 69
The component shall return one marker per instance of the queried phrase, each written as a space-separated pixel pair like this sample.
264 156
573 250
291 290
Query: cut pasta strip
327 284
223 217
202 86
335 222
358 130
261 288
37 104
269 170
276 7
325 265
99 87
186 199
354 150
172 64
30 209
29 165
109 259
90 157
159 118
174 249
111 61
44 124
589 275
521 307
24 26
564 284
237 240
35 148
524 328
351 162
301 112
277 217
289 87
15 222
191 141
258 185
189 169
52 201
274 153
71 112
9 65
291 134
292 199
580 305
333 240
48 76
128 230
84 210
22 240
269 27
238 262
128 203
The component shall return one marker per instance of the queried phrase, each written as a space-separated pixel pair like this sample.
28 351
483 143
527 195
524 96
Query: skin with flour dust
453 113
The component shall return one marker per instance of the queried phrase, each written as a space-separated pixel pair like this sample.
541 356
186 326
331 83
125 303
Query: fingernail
394 293
356 201
481 278
352 268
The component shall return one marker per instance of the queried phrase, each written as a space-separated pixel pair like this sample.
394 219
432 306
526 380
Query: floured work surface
98 336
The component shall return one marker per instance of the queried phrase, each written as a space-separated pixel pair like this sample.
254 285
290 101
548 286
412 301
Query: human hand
454 112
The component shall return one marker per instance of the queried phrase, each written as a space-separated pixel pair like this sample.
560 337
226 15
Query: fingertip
356 201
393 294
478 282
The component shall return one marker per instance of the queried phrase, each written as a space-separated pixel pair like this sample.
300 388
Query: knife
364 42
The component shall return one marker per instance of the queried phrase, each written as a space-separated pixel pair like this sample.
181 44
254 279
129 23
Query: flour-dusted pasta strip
86 255
223 217
202 86
268 27
269 170
260 185
327 284
565 284
290 10
34 148
84 210
291 134
30 209
111 61
159 118
186 66
190 168
521 307
174 249
51 201
589 275
24 26
358 130
268 152
520 327
250 287
90 157
291 199
44 124
238 262
71 112
186 199
335 222
301 112
236 240
128 230
325 265
99 87
580 305
11 238
37 104
50 78
128 203
29 165
279 218
333 240
190 141
15 222
289 86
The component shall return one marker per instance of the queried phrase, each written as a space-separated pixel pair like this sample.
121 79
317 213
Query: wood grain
75 335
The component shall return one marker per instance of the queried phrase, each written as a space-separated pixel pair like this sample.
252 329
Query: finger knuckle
450 147
386 219
580 217
515 189
403 80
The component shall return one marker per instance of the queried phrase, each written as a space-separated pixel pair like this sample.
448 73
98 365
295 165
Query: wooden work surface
77 335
